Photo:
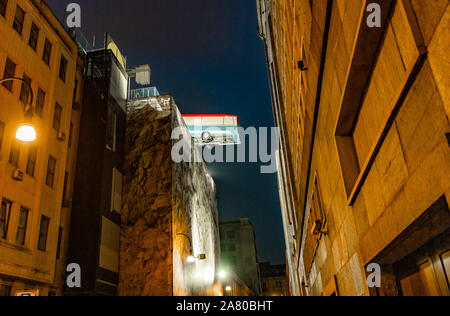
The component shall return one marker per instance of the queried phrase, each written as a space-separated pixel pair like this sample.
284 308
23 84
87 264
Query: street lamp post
26 131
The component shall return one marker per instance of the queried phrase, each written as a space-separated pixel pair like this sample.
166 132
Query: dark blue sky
207 53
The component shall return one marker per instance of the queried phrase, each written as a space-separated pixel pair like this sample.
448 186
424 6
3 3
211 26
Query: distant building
36 179
274 280
238 246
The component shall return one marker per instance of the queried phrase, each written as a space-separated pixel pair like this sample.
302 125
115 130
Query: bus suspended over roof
213 129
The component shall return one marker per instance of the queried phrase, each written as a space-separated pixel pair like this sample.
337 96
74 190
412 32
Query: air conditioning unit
66 204
17 175
61 136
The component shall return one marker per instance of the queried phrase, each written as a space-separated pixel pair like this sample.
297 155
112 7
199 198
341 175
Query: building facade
361 96
274 279
95 221
239 253
36 179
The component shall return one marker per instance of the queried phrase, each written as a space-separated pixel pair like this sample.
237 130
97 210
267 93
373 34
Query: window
25 90
51 171
70 134
31 163
58 250
22 226
10 71
2 131
34 36
75 89
57 117
231 235
63 68
5 290
43 233
66 181
3 6
5 212
40 100
47 52
15 153
116 192
19 18
111 130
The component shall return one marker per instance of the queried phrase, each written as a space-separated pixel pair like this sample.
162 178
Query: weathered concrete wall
162 200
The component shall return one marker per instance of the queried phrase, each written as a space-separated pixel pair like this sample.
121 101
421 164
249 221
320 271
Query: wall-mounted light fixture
26 131
192 258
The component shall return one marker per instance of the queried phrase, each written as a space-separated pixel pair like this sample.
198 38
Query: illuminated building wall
364 156
35 211
167 208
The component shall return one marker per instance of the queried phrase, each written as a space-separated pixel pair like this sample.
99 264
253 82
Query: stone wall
401 155
162 202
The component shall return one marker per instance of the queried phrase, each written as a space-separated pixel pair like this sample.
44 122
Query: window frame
47 52
19 23
39 110
9 73
4 5
23 227
4 218
2 133
14 160
51 172
43 236
63 64
25 90
31 161
33 40
57 116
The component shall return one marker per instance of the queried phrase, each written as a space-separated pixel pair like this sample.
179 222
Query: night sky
208 55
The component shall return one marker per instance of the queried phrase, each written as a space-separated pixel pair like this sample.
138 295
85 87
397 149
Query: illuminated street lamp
26 131
191 258
222 274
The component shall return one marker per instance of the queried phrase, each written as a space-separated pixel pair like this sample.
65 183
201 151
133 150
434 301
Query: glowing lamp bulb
191 259
26 133
222 274
228 288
